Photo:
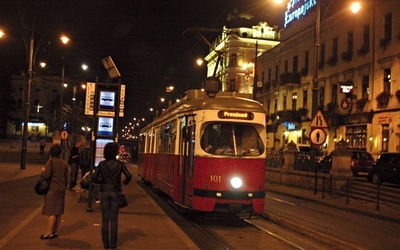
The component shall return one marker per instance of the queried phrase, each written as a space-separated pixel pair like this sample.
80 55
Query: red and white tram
208 153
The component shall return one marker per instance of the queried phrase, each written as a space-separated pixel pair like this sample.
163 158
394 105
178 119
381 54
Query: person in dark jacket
74 162
54 200
108 175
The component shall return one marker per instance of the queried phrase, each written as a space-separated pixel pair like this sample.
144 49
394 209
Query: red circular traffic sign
64 134
317 136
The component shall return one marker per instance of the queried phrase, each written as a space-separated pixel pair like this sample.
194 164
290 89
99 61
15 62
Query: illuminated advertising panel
297 9
107 100
105 126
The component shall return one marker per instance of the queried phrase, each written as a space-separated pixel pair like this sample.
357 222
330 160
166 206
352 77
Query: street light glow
64 39
355 7
199 61
1 33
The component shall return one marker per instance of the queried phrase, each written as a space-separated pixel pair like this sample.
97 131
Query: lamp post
64 40
27 103
315 90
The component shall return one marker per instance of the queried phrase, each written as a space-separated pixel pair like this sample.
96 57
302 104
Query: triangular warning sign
319 121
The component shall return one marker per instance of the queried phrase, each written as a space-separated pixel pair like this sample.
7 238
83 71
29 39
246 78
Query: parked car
361 163
386 169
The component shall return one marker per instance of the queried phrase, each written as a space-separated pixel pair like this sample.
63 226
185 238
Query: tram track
285 240
255 233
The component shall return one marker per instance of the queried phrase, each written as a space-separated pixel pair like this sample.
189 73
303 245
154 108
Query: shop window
385 137
356 136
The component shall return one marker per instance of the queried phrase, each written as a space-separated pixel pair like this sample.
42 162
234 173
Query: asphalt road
357 230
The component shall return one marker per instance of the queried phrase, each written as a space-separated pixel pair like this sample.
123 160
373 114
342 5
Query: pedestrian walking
42 145
56 169
84 162
108 175
74 162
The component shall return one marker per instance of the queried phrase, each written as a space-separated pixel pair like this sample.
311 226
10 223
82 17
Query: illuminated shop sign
290 126
297 9
235 115
346 88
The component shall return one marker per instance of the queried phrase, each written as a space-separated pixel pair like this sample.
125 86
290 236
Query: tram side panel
165 165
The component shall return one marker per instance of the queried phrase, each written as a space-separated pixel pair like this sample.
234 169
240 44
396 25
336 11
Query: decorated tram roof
197 100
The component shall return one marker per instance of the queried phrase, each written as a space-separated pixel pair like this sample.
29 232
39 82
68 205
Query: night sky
144 37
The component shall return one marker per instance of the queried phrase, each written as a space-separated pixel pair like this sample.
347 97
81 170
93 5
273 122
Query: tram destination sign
235 115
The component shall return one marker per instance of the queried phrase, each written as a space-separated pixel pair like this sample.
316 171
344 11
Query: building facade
44 109
232 59
358 69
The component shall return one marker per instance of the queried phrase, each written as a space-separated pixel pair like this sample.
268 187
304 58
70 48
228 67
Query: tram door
186 160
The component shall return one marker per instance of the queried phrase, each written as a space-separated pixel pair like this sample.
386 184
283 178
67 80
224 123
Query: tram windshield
231 139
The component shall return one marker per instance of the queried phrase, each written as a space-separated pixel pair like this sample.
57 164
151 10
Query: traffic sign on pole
318 121
64 134
317 136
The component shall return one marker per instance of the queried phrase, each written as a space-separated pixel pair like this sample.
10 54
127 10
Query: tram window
167 138
231 139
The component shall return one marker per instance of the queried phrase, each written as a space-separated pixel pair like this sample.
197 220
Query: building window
386 79
276 105
232 84
269 75
388 27
306 59
365 87
350 42
295 64
276 72
284 103
322 56
356 136
321 96
335 48
286 66
294 101
365 45
268 107
334 93
305 98
233 60
263 77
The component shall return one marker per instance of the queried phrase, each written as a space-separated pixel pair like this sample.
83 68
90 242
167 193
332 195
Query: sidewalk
142 225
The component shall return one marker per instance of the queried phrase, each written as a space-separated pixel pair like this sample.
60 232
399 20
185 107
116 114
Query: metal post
62 93
316 59
27 104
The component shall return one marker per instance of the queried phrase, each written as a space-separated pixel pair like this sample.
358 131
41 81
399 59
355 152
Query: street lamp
354 7
64 40
28 102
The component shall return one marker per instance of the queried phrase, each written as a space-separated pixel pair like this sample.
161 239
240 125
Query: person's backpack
84 158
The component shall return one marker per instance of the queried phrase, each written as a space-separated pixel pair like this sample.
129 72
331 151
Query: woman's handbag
122 200
43 185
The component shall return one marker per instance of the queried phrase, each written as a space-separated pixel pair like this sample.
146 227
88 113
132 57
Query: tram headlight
236 182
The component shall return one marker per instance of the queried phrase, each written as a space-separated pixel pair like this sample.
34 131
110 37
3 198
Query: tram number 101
215 178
